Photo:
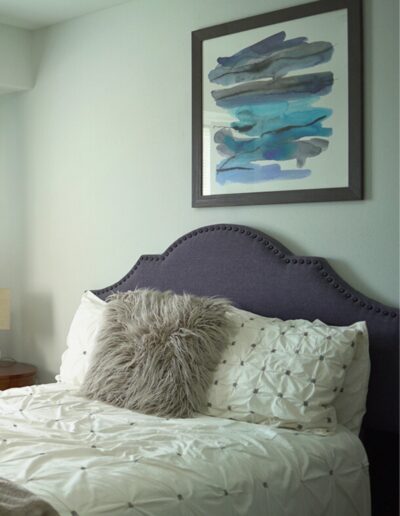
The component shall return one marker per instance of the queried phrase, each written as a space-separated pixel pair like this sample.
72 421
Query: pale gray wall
11 219
15 75
15 59
105 143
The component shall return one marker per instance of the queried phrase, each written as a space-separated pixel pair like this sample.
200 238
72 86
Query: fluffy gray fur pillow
156 352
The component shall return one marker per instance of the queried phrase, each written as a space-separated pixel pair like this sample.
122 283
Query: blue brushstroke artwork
275 114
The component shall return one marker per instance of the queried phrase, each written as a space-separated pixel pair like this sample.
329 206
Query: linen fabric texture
286 373
156 351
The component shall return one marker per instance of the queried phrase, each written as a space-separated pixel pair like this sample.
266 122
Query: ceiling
36 14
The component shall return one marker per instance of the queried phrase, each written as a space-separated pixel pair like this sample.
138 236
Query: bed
86 457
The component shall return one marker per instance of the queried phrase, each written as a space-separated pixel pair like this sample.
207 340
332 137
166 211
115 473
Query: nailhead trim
260 238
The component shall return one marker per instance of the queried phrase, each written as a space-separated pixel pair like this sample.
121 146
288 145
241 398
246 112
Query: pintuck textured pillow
81 339
157 351
284 373
350 404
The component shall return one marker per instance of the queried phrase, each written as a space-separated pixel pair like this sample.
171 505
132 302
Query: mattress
89 458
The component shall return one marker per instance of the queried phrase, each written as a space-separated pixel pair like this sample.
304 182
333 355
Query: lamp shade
5 308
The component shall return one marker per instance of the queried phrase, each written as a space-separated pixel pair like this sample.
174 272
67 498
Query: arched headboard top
209 258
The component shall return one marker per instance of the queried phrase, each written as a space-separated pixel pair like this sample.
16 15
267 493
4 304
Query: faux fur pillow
157 351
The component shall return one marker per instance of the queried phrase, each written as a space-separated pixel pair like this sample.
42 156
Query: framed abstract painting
277 107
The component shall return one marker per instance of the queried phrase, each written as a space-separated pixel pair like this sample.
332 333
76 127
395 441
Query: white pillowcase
350 404
284 373
81 339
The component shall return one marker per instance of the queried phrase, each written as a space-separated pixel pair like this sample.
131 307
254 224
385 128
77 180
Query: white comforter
88 458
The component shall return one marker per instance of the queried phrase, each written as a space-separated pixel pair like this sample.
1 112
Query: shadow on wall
4 344
37 333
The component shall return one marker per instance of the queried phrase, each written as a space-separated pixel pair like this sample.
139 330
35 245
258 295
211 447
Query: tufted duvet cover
89 458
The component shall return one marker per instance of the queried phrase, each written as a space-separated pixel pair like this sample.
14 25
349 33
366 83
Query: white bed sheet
89 458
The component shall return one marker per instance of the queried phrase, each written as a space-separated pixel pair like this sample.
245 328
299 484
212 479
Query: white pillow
350 405
284 373
81 339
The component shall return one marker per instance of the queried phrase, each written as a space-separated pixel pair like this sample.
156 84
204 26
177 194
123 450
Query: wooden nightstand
16 374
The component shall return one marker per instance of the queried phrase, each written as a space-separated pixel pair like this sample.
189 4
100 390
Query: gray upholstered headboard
259 274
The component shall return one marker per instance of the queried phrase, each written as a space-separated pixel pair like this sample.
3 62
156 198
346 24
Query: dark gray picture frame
354 190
